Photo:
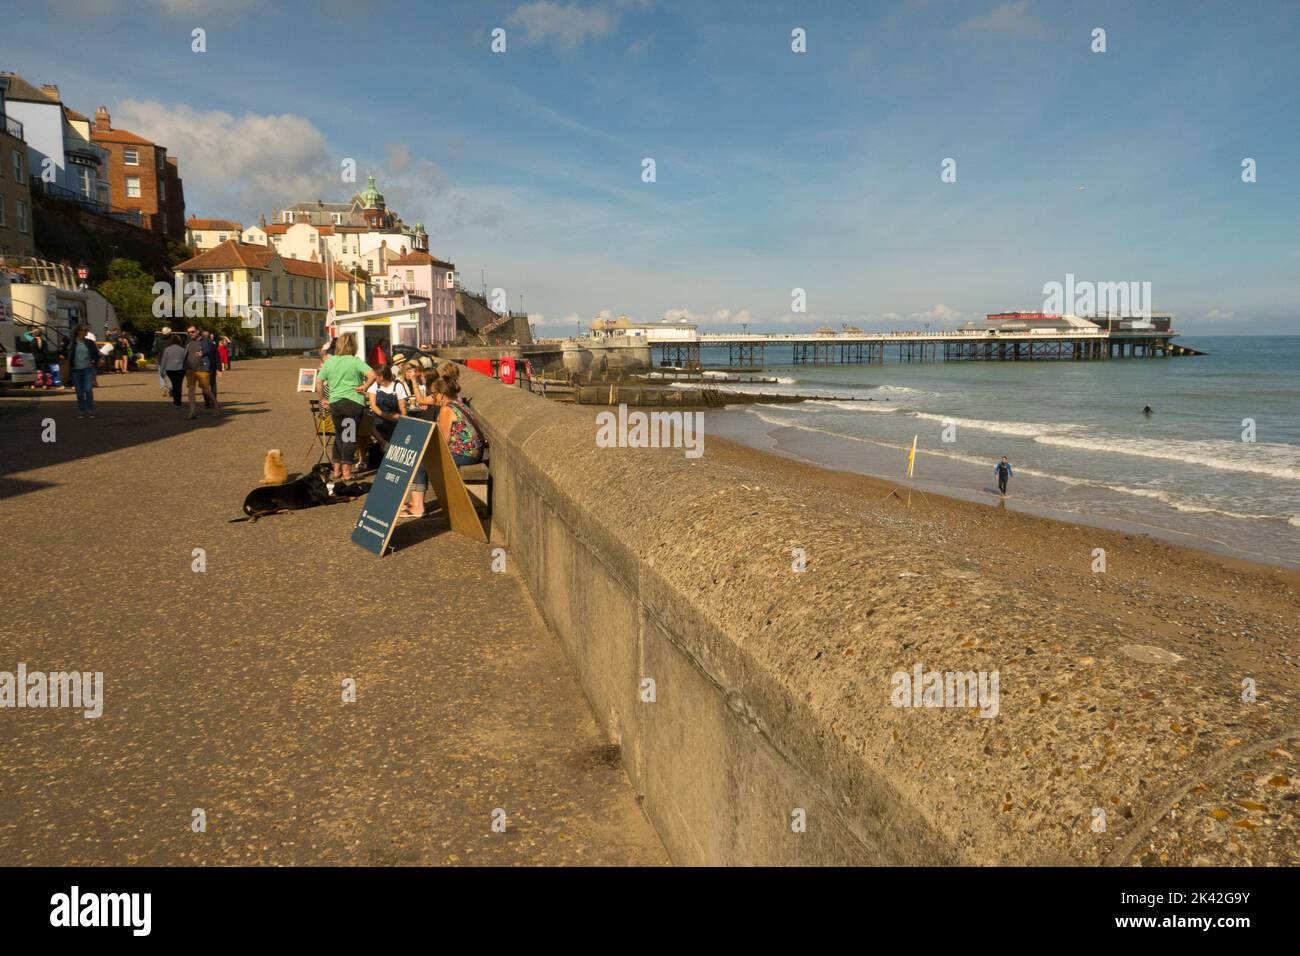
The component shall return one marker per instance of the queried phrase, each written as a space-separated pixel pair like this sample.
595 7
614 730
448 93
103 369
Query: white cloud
942 314
569 25
641 46
397 157
200 12
1217 315
235 166
1006 19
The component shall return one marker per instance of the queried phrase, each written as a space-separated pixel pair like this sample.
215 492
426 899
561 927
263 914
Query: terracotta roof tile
119 136
195 223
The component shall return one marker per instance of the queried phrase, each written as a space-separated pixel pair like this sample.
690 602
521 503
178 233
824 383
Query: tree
130 289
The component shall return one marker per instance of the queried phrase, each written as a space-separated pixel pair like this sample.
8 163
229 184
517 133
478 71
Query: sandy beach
1191 602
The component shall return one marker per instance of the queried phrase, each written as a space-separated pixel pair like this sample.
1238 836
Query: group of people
358 395
198 359
118 350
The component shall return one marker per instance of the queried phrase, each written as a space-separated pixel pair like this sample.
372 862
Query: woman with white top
387 399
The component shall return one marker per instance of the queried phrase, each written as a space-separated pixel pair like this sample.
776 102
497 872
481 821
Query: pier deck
863 348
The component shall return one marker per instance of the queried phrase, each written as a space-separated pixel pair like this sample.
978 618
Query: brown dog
273 470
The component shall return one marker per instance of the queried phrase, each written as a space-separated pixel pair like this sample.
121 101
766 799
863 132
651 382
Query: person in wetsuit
1003 472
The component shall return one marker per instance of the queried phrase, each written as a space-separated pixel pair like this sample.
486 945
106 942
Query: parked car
20 368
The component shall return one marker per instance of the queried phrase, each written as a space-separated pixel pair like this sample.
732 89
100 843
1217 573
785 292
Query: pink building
419 276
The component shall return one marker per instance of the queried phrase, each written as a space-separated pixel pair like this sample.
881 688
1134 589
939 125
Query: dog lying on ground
273 470
309 491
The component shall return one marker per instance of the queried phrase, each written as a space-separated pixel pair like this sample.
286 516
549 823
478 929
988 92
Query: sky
774 170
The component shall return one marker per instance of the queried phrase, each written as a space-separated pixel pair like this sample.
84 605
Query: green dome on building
372 198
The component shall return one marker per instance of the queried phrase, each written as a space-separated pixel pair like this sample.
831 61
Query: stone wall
772 689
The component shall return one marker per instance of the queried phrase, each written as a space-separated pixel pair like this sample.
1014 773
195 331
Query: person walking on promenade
211 338
161 342
223 351
343 374
1003 472
82 358
172 364
200 360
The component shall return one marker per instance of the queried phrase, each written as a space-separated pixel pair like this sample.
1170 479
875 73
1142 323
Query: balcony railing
55 191
13 127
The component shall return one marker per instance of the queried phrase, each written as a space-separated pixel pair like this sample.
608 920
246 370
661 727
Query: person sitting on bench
459 430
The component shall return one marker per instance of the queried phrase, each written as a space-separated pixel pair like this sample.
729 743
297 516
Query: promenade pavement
223 688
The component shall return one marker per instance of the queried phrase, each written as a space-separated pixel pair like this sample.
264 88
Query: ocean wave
877 407
1186 507
1210 454
1017 429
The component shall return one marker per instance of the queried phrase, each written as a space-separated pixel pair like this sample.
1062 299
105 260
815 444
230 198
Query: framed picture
307 379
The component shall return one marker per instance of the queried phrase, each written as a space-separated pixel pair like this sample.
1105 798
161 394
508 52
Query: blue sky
775 170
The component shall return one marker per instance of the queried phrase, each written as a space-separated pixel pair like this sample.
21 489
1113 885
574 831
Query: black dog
305 492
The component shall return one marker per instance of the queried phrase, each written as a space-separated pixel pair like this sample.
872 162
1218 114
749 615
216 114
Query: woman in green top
346 376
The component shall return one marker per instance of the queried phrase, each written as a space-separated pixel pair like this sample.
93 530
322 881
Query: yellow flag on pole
911 457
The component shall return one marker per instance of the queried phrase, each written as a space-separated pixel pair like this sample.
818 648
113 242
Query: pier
749 350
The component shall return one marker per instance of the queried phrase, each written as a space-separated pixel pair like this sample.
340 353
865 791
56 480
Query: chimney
102 122
262 220
51 88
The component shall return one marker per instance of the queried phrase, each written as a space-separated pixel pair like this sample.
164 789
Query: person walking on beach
82 358
200 363
1003 472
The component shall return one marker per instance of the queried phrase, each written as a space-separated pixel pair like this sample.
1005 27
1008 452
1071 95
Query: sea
1215 465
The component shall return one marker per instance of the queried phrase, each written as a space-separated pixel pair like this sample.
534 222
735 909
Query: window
131 157
290 290
275 289
18 166
286 216
2 210
337 217
410 277
222 237
132 187
162 190
22 216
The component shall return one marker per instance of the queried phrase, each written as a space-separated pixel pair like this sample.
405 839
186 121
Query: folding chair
324 426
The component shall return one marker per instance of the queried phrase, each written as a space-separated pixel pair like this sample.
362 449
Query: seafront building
204 234
424 284
663 331
142 177
361 233
58 140
15 188
285 303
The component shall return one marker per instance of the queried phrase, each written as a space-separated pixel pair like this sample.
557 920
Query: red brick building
141 176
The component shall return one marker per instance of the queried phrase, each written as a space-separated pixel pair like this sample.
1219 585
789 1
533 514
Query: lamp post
266 304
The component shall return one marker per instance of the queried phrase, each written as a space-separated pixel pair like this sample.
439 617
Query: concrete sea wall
767 735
